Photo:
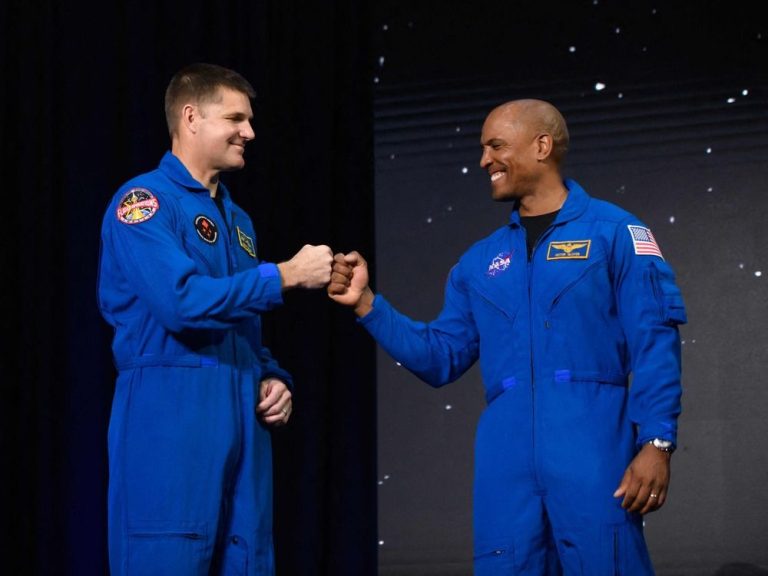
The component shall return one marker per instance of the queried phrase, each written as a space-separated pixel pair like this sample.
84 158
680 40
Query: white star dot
599 86
464 170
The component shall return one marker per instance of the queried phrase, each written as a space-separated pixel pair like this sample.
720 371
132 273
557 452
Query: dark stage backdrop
82 110
667 107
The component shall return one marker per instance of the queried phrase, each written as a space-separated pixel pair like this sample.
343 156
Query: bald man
561 306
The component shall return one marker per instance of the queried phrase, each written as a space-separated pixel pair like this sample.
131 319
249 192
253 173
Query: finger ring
285 411
654 495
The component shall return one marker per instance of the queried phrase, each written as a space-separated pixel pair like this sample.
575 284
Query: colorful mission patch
206 229
137 205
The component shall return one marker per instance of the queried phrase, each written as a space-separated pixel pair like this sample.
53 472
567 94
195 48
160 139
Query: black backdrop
82 110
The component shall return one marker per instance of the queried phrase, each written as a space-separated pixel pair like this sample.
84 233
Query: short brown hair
199 83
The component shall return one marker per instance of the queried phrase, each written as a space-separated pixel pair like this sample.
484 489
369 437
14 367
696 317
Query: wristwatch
663 445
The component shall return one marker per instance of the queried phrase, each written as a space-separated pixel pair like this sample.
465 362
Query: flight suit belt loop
189 361
559 376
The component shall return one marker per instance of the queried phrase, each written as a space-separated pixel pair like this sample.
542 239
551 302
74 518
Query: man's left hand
646 481
275 403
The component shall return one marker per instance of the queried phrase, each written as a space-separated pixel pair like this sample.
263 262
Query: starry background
666 106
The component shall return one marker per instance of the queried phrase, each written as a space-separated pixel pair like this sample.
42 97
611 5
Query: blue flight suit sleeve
651 309
437 352
271 369
151 257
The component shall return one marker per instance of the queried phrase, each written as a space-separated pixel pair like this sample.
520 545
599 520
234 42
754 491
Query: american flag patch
645 243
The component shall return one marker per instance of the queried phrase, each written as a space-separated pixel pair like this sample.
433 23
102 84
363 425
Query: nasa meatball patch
499 264
206 229
136 206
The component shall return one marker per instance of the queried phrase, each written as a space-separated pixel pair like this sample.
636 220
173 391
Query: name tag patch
569 250
246 242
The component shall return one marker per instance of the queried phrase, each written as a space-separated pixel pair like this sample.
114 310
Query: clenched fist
349 283
309 268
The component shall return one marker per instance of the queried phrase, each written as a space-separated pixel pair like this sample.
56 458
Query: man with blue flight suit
573 314
190 469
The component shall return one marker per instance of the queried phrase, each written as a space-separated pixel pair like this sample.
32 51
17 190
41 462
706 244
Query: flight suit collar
176 171
574 206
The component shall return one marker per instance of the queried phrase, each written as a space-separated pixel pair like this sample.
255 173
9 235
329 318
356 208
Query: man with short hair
190 469
560 306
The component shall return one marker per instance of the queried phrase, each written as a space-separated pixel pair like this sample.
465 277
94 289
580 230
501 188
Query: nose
246 131
485 158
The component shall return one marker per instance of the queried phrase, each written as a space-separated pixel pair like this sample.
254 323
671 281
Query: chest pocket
580 288
669 300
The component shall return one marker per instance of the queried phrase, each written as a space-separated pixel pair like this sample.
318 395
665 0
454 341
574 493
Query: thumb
622 489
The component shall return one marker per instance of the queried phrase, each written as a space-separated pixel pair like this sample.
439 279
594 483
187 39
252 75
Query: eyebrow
492 141
239 116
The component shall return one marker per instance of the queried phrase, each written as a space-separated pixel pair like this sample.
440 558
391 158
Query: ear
189 117
544 145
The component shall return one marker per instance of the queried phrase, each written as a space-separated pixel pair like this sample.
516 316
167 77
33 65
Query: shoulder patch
137 205
643 241
206 229
569 250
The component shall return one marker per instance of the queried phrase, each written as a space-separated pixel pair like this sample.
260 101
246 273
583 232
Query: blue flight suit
580 359
190 489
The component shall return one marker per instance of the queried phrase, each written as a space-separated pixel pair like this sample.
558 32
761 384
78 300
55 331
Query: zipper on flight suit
531 340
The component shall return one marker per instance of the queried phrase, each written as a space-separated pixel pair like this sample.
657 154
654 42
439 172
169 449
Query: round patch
206 229
137 205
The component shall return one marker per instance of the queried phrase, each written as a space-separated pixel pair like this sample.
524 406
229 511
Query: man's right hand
309 268
349 283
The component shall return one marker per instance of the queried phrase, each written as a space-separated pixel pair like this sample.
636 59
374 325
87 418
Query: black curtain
81 112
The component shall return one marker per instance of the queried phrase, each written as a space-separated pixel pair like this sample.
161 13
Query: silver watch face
661 444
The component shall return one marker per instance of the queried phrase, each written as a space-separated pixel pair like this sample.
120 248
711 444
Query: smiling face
222 129
511 154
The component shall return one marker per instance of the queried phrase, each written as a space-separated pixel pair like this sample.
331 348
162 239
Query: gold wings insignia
569 247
